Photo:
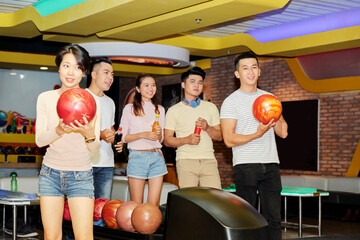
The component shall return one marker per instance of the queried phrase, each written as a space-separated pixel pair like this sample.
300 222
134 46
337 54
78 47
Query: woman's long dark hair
137 105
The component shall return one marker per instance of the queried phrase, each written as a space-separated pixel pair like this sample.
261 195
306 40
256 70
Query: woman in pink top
146 160
66 170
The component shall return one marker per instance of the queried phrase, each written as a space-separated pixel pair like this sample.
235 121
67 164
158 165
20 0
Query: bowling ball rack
119 234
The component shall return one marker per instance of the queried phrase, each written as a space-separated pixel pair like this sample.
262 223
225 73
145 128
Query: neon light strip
308 26
47 7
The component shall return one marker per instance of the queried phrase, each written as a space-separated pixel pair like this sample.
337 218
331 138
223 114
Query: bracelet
90 140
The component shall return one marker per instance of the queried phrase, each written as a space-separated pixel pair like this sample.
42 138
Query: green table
300 193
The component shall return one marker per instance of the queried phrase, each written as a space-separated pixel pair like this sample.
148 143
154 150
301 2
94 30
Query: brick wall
339 112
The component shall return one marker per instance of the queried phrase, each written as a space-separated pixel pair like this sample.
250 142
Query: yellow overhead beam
324 85
120 69
319 42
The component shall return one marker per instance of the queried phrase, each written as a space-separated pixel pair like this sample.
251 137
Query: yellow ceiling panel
19 24
24 30
93 16
184 20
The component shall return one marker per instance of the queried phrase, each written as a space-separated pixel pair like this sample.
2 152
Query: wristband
90 140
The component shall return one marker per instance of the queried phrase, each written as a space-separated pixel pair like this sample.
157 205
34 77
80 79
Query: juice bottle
197 130
156 123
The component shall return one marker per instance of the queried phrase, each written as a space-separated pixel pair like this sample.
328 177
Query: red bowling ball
123 215
67 211
74 104
146 218
109 213
267 107
99 204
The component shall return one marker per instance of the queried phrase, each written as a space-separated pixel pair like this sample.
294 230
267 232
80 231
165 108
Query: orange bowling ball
267 107
146 218
123 215
109 213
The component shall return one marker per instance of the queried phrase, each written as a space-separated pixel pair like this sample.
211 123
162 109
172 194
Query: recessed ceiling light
44 68
140 53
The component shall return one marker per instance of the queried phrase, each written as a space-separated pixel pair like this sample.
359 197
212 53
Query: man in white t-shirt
255 157
102 77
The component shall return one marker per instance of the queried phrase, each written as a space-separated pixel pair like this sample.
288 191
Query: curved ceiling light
308 26
143 53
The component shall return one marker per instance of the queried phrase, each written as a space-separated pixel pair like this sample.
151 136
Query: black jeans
265 178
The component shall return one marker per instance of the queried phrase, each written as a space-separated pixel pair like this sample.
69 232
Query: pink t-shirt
132 124
68 152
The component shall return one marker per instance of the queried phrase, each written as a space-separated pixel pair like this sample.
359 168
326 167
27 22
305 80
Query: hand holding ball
267 107
74 104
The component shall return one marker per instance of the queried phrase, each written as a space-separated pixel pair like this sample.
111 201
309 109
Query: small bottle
118 137
197 130
13 182
156 123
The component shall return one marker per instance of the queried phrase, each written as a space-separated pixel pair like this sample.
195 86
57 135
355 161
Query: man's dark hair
243 56
99 60
193 71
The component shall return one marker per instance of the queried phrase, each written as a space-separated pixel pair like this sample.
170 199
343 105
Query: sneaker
8 231
27 231
24 231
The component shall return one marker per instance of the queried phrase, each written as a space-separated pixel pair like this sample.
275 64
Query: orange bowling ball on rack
267 107
146 218
123 215
108 213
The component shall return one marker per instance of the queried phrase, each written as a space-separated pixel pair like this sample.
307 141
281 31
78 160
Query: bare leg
81 211
136 187
155 186
52 210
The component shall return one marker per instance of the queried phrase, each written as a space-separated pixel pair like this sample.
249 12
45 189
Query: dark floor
329 228
332 225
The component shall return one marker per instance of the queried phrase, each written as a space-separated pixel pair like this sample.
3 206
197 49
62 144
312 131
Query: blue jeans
146 164
58 183
265 178
103 178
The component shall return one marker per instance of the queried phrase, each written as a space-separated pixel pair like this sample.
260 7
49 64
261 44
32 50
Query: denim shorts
146 164
57 183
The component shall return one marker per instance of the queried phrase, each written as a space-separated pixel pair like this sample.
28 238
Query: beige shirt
68 152
181 119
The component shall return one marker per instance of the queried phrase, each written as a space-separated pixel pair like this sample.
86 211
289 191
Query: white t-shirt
238 105
105 156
